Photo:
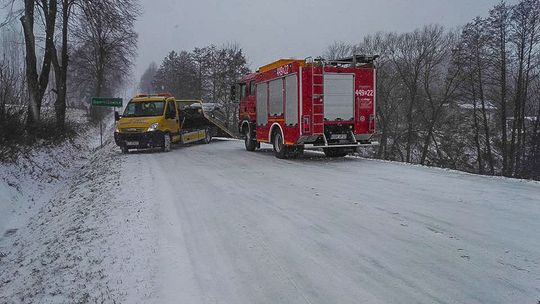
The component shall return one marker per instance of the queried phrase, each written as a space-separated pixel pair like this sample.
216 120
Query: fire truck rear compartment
338 97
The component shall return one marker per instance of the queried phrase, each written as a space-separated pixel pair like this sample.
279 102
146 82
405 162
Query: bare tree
440 82
10 80
409 59
37 83
498 28
61 65
12 85
106 47
480 56
524 36
338 50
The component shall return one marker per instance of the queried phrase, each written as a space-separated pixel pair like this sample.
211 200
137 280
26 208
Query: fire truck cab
312 103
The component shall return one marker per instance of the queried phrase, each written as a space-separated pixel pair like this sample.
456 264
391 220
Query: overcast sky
273 29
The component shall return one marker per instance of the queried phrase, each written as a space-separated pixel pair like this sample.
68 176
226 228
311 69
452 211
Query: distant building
468 106
529 122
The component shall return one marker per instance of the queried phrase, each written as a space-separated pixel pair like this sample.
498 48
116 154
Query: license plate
338 136
132 143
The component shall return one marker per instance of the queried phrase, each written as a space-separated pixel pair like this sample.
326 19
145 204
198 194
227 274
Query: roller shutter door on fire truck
262 104
338 97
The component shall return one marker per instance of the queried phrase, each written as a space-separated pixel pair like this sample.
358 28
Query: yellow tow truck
158 121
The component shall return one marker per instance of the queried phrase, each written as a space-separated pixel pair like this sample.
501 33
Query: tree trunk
516 125
410 126
485 121
37 85
525 95
477 140
61 69
27 21
504 136
476 129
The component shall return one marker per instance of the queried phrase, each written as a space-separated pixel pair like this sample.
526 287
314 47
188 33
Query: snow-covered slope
216 224
33 179
38 172
83 246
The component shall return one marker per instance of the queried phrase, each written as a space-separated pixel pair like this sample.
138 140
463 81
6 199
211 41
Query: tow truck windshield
144 108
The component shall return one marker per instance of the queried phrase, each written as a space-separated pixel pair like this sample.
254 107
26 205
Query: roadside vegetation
466 99
56 55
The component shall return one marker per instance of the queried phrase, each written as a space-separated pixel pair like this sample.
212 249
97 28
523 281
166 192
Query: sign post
106 102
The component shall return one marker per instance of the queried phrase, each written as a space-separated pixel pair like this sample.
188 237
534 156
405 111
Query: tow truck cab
148 122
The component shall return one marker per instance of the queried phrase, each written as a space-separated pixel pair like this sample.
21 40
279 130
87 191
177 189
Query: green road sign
107 102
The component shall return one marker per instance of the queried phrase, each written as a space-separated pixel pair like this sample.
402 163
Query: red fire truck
312 103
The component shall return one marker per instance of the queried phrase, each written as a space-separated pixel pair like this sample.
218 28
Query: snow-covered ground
38 172
33 178
216 224
84 245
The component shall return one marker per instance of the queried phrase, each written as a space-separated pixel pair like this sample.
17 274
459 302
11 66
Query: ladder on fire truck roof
317 93
354 61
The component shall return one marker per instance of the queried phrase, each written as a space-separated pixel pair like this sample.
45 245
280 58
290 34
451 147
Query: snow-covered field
216 224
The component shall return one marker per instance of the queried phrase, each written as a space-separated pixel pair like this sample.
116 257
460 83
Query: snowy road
238 227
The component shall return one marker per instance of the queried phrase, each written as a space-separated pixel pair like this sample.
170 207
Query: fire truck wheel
166 142
280 150
250 143
334 152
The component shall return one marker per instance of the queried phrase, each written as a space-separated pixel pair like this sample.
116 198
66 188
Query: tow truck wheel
124 149
280 149
250 143
166 142
335 152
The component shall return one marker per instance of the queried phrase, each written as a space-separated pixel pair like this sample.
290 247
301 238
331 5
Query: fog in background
269 30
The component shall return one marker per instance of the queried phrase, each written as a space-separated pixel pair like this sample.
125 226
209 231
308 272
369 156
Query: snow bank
83 246
39 172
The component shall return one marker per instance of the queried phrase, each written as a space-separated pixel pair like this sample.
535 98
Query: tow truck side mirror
116 116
